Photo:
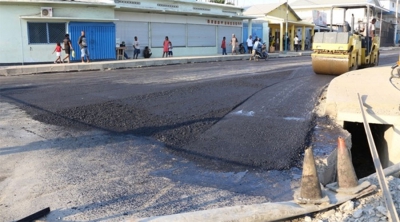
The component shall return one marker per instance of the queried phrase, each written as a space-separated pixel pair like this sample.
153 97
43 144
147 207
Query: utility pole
286 33
395 27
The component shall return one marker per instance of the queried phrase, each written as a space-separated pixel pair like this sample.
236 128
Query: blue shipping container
100 39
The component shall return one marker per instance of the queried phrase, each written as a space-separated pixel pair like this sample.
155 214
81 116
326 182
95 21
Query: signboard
223 22
319 18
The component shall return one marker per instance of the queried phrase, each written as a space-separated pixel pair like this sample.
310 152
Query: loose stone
358 213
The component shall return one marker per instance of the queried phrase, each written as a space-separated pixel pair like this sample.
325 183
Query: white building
33 27
391 5
308 9
194 28
30 29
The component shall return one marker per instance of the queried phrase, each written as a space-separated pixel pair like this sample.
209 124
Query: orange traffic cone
347 181
310 191
346 176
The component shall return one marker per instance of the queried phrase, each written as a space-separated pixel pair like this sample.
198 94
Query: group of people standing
296 42
235 44
167 49
136 48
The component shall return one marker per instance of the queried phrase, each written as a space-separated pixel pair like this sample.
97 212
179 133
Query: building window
45 32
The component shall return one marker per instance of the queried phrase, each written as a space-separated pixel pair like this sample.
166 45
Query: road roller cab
336 53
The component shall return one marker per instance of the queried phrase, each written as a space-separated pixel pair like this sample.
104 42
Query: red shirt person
165 45
223 46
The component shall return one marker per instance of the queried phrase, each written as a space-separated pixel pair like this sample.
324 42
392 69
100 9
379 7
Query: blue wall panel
100 39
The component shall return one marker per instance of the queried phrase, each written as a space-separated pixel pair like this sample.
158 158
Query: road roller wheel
355 66
376 62
323 65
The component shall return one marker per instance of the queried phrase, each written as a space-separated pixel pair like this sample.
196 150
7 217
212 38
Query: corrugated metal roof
264 9
261 9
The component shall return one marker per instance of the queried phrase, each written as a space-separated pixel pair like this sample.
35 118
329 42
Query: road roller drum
330 65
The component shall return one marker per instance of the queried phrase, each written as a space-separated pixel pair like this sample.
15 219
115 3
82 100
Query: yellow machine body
335 53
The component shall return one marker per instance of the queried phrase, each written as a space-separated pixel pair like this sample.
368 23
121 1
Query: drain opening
360 152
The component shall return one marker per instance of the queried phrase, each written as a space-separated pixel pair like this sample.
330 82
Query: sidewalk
129 63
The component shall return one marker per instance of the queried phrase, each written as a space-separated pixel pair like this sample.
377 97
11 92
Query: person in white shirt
250 44
370 35
296 43
234 44
253 54
136 48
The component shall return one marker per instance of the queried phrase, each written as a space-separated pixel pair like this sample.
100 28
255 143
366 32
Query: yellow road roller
335 53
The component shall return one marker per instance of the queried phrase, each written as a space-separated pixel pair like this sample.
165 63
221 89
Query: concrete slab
380 94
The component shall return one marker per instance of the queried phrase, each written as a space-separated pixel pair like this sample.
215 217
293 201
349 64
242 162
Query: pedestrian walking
170 54
57 50
296 43
165 46
136 48
83 45
250 44
233 43
223 46
67 47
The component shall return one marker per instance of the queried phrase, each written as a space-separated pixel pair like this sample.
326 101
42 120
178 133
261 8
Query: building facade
391 17
34 27
275 16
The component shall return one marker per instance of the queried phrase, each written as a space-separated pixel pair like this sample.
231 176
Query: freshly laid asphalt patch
180 116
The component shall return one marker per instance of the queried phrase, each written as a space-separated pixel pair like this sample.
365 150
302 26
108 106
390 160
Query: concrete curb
257 212
124 64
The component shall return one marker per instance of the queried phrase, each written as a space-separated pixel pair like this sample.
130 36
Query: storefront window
45 32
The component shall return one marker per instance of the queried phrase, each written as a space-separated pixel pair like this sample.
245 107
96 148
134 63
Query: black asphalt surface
223 115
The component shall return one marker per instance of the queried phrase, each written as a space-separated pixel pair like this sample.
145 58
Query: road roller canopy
331 37
360 5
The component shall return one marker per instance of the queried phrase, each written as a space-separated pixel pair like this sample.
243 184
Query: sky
256 2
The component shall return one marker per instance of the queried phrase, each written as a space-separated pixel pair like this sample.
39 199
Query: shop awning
67 19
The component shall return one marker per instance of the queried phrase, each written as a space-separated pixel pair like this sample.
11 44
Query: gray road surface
106 146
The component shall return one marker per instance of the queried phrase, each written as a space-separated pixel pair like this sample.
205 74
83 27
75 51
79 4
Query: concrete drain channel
361 155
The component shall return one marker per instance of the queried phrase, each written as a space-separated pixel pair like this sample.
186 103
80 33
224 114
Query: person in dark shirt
67 47
123 45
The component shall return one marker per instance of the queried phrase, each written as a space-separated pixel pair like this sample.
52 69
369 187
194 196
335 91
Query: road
157 140
234 112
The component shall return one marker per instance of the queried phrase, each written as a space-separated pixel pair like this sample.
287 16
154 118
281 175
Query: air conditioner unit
46 11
